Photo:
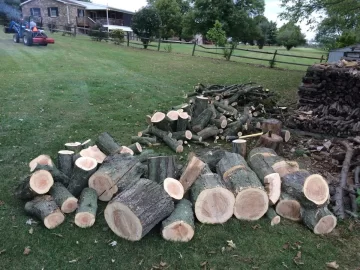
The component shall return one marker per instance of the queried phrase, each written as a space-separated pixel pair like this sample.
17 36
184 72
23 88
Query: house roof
88 5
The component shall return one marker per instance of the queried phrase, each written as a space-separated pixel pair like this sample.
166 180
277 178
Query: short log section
288 208
174 188
63 198
93 152
33 185
319 220
273 216
191 172
161 167
41 160
107 144
65 162
239 147
86 213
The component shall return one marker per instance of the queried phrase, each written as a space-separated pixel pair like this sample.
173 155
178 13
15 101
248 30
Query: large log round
319 220
288 207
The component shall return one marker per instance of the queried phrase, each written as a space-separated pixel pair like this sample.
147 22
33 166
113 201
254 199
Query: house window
35 12
53 12
81 13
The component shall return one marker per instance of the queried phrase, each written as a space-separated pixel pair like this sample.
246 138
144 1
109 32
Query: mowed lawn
76 89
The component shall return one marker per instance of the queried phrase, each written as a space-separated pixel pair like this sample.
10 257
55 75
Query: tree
290 35
169 11
217 34
10 9
272 33
146 24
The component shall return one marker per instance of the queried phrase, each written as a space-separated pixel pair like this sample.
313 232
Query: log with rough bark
237 126
239 147
201 121
191 173
160 121
172 117
319 220
227 108
271 140
179 226
45 208
65 162
161 167
285 134
84 167
107 144
146 154
270 179
310 190
148 141
73 146
182 121
173 144
116 173
86 213
57 175
288 207
136 148
42 160
93 152
138 209
63 198
251 201
212 157
210 131
174 188
219 123
37 183
200 105
213 202
182 135
273 125
273 216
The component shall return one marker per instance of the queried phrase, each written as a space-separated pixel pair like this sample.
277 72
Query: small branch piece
63 198
174 188
107 144
273 216
86 213
191 172
136 148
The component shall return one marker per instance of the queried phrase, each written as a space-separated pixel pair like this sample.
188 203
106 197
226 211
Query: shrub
97 32
168 48
118 36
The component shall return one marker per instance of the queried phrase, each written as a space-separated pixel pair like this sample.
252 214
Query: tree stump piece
93 152
36 184
65 162
288 207
208 132
107 144
272 125
161 167
319 220
73 146
136 148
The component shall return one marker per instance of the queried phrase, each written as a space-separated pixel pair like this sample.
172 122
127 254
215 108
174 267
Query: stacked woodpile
329 98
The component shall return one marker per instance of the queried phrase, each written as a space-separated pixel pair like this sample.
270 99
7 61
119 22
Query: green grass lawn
76 89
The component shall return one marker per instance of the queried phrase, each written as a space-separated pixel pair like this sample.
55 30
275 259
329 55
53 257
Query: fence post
159 43
193 51
322 58
231 51
74 31
272 64
128 38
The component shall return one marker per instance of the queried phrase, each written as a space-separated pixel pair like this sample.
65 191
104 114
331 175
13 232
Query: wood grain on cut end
276 220
86 163
94 152
178 231
69 205
54 219
174 188
41 181
289 209
158 117
84 220
126 150
285 167
316 189
104 186
251 204
173 115
325 225
41 160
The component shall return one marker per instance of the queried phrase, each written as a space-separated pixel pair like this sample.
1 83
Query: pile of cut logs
329 98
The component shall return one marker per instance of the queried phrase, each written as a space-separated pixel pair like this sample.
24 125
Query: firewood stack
329 98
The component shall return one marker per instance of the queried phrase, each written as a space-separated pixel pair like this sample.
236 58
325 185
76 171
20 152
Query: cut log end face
179 148
276 220
173 115
126 150
273 187
178 231
103 186
316 189
289 209
84 219
214 206
65 152
174 188
41 160
158 117
41 181
325 225
69 205
123 222
54 219
188 134
94 152
251 204
285 167
86 163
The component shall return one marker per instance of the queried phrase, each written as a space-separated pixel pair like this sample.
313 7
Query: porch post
107 15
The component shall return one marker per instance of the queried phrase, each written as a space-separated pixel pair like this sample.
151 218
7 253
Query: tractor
28 32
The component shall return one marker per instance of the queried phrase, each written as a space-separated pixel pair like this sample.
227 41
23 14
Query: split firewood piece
117 172
196 138
63 198
239 147
319 220
107 144
279 164
42 160
213 202
136 148
73 146
148 141
219 123
93 152
174 188
65 162
239 125
146 154
86 213
201 104
208 132
271 140
173 144
138 209
57 175
161 167
179 226
288 207
87 143
212 158
273 125
126 150
225 107
273 216
182 135
172 117
251 201
37 183
45 208
182 122
286 135
310 190
191 173
160 121
270 179
83 169
201 121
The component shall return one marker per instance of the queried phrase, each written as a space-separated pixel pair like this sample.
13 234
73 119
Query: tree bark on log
272 125
212 158
273 216
208 132
286 135
174 188
148 141
272 141
65 162
182 135
213 202
107 144
83 169
137 209
45 209
126 150
251 201
33 185
146 154
182 121
93 152
179 226
173 144
63 198
191 173
239 147
238 125
319 220
86 213
41 160
117 172
161 167
200 122
136 148
310 190
219 123
200 105
160 121
288 207
73 146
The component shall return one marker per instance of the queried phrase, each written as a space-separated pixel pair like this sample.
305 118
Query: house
347 53
77 13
